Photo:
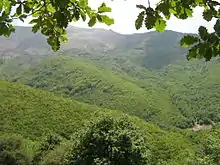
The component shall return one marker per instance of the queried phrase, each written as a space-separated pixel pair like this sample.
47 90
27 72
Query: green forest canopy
52 17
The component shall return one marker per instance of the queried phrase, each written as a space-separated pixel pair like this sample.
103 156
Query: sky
125 13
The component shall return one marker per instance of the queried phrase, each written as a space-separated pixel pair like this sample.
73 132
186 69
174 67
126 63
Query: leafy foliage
208 152
206 45
51 17
12 151
110 141
164 146
33 112
46 146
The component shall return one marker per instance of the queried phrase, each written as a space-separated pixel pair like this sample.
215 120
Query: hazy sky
125 13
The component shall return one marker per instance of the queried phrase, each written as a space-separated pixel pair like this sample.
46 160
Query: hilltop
141 49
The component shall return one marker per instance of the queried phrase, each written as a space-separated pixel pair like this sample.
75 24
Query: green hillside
89 83
194 88
180 94
32 113
103 100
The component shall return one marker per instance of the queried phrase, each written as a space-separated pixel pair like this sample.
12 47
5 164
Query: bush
12 152
110 141
47 145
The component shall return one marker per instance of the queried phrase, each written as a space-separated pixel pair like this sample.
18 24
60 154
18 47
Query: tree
52 17
111 142
46 146
12 152
205 45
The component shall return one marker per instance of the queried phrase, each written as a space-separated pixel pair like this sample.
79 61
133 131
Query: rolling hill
100 74
33 113
83 81
141 74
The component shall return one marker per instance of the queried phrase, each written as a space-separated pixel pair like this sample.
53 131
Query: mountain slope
195 89
140 49
181 95
32 113
144 74
89 83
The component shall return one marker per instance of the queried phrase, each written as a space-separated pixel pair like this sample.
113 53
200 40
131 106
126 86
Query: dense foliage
206 45
110 141
51 17
34 112
12 151
194 90
67 123
32 123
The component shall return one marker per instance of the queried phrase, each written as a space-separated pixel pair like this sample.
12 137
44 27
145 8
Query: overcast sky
125 14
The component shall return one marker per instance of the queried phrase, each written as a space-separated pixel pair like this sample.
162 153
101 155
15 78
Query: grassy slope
85 82
32 113
195 89
132 56
182 92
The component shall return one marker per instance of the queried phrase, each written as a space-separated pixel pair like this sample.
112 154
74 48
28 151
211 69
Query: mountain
97 43
53 104
142 74
89 83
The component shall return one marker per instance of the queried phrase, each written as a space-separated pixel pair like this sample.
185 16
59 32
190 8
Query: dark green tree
51 17
111 142
46 146
204 45
12 152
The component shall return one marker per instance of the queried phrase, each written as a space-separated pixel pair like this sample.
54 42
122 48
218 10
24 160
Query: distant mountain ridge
145 48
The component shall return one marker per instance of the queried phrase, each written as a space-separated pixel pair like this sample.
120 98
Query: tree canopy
110 141
52 17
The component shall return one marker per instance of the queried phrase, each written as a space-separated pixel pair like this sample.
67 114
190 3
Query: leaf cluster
50 17
206 45
110 141
12 151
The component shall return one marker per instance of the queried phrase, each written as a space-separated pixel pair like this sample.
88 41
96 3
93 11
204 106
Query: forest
105 98
80 105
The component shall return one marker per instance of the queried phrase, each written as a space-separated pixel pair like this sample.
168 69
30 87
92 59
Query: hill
99 44
34 113
194 88
85 82
141 74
